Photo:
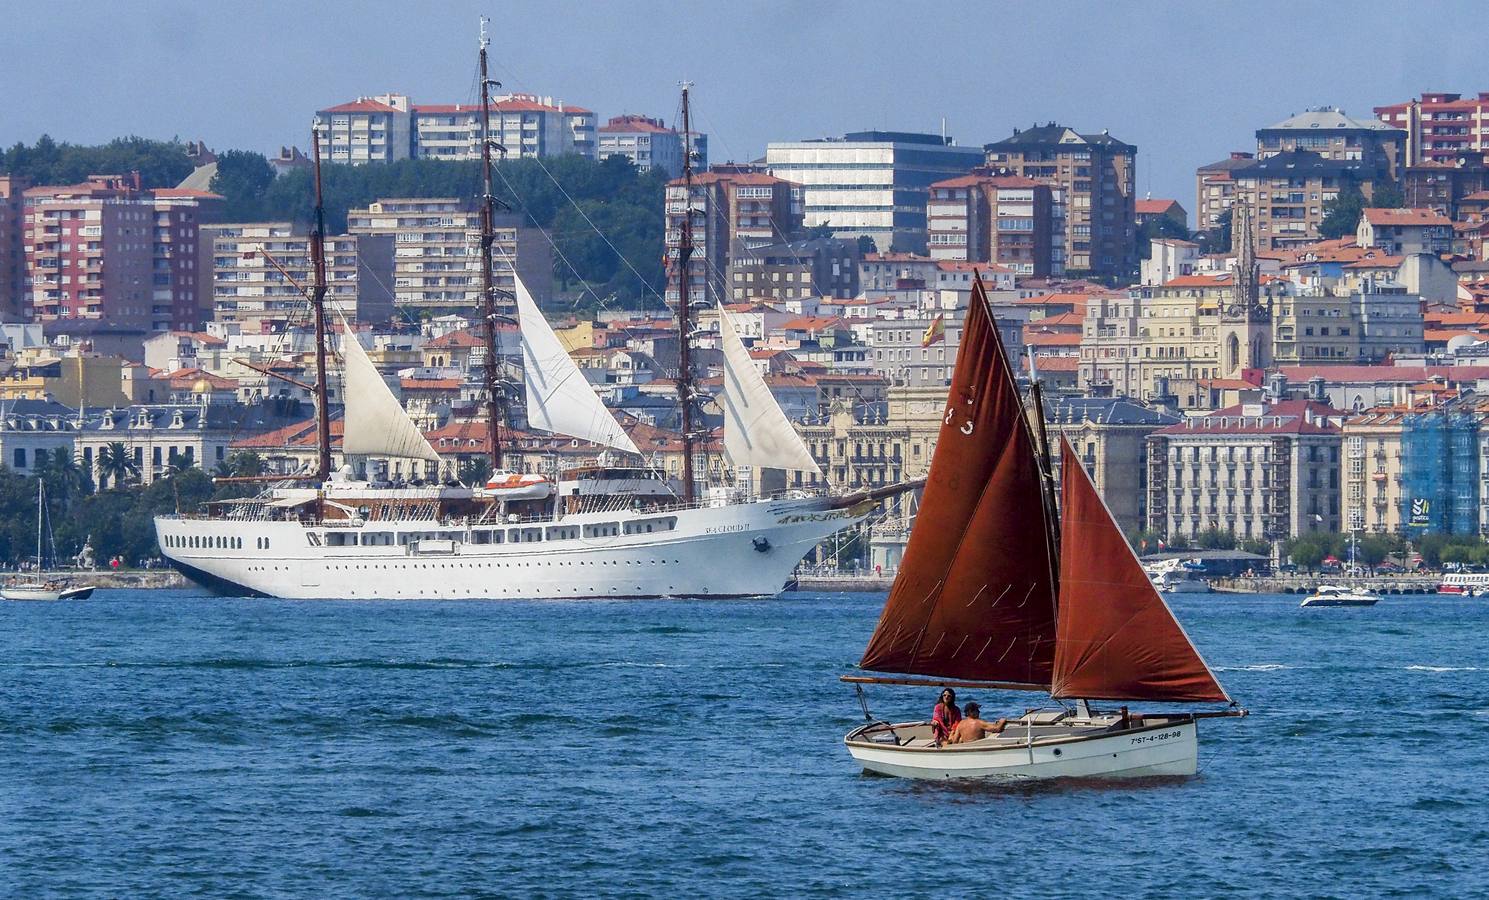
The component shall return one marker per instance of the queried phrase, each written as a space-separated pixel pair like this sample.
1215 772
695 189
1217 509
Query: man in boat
974 728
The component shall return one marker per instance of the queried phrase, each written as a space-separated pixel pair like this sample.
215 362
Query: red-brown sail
974 597
1116 638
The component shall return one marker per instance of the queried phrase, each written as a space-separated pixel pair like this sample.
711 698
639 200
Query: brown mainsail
975 595
1117 638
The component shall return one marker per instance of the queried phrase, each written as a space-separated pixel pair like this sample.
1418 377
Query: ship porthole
1057 751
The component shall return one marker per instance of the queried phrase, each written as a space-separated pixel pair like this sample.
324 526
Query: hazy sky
1185 81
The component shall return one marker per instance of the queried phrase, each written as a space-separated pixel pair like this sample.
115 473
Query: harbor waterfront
165 742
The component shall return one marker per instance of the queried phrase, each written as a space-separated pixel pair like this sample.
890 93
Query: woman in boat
945 716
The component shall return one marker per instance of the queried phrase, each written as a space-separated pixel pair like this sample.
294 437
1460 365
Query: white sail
375 423
558 397
756 431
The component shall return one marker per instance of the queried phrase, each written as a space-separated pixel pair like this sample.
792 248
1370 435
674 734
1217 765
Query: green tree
1215 539
1342 214
243 178
1387 195
116 464
176 464
866 245
1158 227
1258 546
814 232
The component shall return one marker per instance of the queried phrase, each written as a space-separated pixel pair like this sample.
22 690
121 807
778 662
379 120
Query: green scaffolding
1440 473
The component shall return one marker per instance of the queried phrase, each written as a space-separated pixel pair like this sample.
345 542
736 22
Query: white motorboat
1338 595
1059 604
1177 576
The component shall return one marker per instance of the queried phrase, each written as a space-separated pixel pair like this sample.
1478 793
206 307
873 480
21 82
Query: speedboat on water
1338 595
1059 604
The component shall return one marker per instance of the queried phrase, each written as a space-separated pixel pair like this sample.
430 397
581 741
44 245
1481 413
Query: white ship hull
734 550
1155 748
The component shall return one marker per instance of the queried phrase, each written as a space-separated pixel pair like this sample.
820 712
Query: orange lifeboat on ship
517 486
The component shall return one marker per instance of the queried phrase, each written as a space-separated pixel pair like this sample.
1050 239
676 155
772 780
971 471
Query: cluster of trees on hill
605 218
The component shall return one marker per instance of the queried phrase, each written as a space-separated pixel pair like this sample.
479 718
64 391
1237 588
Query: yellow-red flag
934 332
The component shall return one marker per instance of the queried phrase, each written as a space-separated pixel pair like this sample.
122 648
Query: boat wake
1259 667
1442 668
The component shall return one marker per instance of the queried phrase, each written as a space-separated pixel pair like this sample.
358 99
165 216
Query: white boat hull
736 550
1163 748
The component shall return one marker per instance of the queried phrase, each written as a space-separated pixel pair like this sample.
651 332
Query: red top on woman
944 719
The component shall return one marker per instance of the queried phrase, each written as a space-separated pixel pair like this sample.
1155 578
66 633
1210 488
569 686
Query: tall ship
609 530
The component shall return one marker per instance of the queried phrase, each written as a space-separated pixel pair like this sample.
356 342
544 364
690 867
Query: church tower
1245 331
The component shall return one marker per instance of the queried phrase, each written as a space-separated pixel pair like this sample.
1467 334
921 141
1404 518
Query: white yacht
1338 595
605 531
1177 576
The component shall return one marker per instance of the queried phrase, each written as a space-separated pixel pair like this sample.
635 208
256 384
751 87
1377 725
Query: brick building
1014 222
732 208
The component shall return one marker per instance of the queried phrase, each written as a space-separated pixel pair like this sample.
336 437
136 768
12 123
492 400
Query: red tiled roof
186 379
1378 216
629 123
811 323
1067 363
429 384
1379 262
1047 339
361 104
1155 207
186 192
201 337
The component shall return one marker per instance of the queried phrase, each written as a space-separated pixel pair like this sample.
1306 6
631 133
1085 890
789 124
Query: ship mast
684 317
489 375
318 305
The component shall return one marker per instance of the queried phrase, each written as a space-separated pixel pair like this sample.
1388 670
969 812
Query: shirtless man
972 727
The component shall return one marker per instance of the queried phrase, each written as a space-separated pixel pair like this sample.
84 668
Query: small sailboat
1004 592
43 585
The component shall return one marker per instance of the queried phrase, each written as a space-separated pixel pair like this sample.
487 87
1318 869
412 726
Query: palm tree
116 464
176 464
63 474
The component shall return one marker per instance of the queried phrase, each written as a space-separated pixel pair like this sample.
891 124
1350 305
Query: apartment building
390 127
1405 231
366 130
1169 258
824 267
437 253
649 144
1330 133
260 271
1097 176
871 184
1285 193
1440 127
1014 222
525 126
1372 471
1267 471
732 208
1111 438
110 262
1215 189
12 249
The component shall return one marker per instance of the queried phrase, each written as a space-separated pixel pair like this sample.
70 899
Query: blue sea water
169 744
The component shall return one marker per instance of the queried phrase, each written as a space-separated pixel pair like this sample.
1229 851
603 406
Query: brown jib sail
1117 639
975 595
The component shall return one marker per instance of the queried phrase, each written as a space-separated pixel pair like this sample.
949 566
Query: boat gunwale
1177 719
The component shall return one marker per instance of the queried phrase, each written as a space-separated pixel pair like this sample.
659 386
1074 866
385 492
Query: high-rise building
390 127
111 262
1012 221
1216 188
257 295
1333 135
368 129
525 125
12 252
870 183
794 270
1285 193
1098 175
649 144
1439 127
437 253
731 208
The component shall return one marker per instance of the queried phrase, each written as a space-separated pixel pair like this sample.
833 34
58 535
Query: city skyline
1186 91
